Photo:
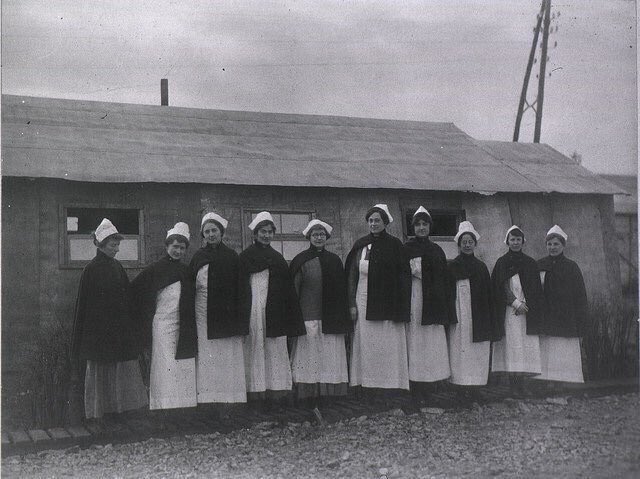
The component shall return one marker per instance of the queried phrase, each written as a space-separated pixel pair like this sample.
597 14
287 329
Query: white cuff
516 303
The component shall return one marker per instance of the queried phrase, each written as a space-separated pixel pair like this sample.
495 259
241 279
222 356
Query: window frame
459 213
63 238
247 235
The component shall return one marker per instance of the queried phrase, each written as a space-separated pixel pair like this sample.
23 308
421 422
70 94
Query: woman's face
467 244
176 250
422 228
264 235
211 233
555 247
515 243
318 237
111 248
376 225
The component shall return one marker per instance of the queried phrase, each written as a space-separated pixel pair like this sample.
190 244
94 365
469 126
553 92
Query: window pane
292 248
83 249
128 250
294 223
86 220
444 225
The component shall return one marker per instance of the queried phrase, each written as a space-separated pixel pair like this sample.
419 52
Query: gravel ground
556 437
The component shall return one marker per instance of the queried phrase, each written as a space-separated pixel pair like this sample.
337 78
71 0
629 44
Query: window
79 223
444 228
288 239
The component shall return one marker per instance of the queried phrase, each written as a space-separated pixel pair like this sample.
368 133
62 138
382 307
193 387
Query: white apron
426 344
266 359
173 382
318 357
220 362
379 356
469 361
560 357
516 352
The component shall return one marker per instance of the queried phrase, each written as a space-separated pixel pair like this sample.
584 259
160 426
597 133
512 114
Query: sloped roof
548 168
121 143
625 204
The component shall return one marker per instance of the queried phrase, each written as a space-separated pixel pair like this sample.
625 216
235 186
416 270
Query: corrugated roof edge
182 111
488 146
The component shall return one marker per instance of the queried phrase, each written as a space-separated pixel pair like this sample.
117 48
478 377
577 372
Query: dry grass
611 343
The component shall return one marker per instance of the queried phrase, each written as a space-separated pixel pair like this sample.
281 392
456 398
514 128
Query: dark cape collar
305 256
465 266
383 237
416 247
549 262
209 254
167 271
259 257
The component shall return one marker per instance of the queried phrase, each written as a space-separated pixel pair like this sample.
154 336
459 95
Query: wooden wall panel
20 268
491 218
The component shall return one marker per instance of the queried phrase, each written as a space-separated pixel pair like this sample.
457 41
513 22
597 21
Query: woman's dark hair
515 232
422 216
555 235
318 227
176 237
468 233
103 243
219 226
263 223
383 214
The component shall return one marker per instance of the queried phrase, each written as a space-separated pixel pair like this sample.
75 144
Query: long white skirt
173 381
379 351
266 359
319 357
220 362
113 387
561 359
516 352
469 361
426 344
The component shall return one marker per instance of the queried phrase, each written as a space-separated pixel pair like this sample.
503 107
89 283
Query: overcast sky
454 61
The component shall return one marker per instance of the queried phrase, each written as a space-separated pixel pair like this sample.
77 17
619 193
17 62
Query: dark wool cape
144 292
223 291
335 304
483 318
283 314
389 278
438 302
509 265
565 297
102 328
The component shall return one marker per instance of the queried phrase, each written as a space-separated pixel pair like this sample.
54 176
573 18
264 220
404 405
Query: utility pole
527 75
543 24
543 69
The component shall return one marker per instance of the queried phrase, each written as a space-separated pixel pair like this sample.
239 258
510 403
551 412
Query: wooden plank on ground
39 435
58 433
78 431
19 437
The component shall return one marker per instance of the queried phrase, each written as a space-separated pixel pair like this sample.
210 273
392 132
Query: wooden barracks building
66 164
